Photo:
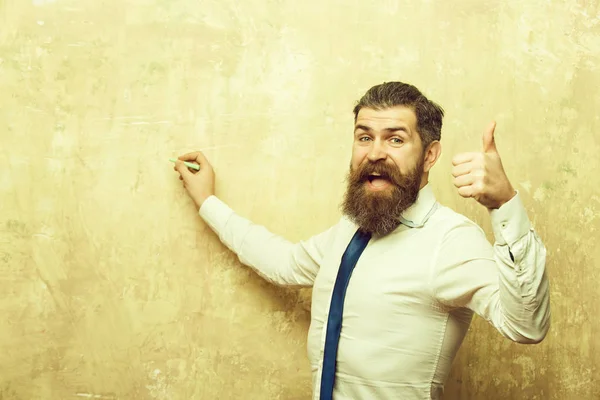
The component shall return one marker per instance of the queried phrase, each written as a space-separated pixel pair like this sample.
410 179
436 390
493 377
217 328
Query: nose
377 152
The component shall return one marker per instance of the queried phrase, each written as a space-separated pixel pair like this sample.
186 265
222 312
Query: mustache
381 168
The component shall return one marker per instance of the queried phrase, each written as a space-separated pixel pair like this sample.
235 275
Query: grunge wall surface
111 284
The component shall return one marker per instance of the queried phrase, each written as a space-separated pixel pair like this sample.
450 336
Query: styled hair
391 94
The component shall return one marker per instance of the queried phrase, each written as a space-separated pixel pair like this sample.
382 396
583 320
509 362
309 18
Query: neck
424 180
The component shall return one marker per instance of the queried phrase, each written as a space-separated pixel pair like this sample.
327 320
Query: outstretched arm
273 257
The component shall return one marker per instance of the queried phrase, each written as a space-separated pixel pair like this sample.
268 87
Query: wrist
511 193
199 200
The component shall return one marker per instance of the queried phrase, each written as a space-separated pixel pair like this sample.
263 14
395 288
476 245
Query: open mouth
373 176
378 181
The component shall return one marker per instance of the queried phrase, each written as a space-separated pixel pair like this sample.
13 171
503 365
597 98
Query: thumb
489 143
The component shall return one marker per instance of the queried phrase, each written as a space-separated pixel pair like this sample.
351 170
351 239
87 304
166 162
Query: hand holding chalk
188 164
199 185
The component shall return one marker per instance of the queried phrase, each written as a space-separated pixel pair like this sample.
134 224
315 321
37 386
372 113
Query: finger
463 158
464 180
467 191
182 169
189 156
462 169
196 156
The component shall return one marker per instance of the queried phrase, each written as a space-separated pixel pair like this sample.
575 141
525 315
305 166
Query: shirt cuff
510 222
215 213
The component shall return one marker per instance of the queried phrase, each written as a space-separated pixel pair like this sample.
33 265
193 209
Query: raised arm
273 257
506 283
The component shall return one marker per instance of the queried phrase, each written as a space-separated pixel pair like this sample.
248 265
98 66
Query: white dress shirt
412 294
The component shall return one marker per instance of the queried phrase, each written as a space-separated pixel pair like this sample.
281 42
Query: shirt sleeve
505 283
274 258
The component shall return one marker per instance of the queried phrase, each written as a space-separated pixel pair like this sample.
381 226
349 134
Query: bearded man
397 279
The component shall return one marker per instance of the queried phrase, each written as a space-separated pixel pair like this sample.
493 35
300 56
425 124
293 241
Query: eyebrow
388 130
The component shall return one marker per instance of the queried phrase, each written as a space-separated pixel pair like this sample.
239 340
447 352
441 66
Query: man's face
386 170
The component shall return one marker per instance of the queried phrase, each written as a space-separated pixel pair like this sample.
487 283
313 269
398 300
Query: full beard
378 211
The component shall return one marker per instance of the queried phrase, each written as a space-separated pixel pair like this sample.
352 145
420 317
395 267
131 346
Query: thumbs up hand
480 175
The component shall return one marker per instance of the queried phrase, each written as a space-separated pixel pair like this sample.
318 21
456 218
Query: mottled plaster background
111 284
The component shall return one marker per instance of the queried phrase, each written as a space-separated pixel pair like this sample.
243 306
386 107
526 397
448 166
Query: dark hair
391 94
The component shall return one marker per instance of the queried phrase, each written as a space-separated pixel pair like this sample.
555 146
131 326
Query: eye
363 138
396 140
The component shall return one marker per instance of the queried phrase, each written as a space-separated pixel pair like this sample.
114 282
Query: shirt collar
417 214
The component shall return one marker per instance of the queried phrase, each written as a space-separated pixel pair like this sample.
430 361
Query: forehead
380 119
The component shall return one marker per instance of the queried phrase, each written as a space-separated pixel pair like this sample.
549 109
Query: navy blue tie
334 323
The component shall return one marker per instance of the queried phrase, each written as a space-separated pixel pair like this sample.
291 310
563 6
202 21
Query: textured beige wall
112 287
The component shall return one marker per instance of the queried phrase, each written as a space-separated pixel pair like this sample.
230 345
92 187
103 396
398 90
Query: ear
432 153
